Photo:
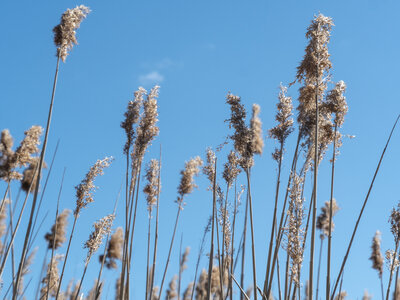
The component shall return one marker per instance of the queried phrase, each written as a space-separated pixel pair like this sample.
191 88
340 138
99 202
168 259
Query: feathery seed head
376 255
132 115
101 229
64 33
336 102
85 189
394 221
186 186
209 167
285 123
147 129
151 188
114 250
231 170
323 218
57 236
172 292
52 278
257 142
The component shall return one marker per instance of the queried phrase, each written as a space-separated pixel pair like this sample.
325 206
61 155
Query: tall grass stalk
244 243
328 263
156 229
253 250
362 209
392 268
214 212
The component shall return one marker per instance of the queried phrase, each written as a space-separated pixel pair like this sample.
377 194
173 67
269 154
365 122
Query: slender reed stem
363 207
42 155
319 267
41 274
148 258
328 264
210 263
66 256
243 293
253 251
232 243
156 230
180 269
83 276
170 250
273 229
244 243
392 266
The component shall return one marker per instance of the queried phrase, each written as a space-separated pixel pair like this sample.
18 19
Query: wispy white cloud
152 77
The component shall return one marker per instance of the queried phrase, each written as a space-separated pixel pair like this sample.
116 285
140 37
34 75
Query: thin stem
319 267
271 240
362 208
244 243
83 276
392 266
253 251
243 293
210 263
156 230
170 248
148 257
42 155
328 264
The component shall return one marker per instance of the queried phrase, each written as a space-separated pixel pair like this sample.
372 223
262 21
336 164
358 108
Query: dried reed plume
147 129
132 115
151 189
231 169
341 296
172 293
336 103
295 231
376 255
64 33
285 123
187 294
114 250
57 236
101 229
28 181
209 167
392 259
85 189
51 279
184 259
257 143
10 160
187 183
323 218
394 221
3 217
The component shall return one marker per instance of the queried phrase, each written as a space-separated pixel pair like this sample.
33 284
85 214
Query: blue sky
198 51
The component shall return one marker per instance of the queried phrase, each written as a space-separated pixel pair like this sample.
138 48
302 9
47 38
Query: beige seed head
51 280
209 167
84 191
57 236
132 115
172 292
257 142
101 229
65 32
231 169
323 218
187 184
147 129
376 255
114 250
151 189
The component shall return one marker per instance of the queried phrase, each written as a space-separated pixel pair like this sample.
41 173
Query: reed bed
291 267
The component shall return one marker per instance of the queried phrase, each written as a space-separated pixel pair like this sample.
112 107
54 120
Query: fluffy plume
376 255
147 129
295 231
114 250
394 221
132 115
231 169
56 237
51 280
28 182
10 160
392 260
64 33
3 217
257 143
336 103
187 295
285 123
101 229
341 296
323 218
172 293
85 189
187 184
184 259
209 167
151 188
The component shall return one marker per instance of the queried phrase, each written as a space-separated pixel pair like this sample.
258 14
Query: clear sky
198 51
